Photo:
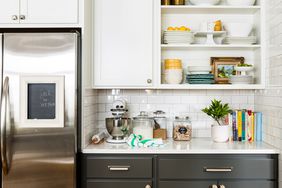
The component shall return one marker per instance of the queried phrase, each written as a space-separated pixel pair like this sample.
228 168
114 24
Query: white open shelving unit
199 54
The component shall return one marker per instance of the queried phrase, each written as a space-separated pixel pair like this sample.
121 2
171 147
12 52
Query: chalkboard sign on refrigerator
42 101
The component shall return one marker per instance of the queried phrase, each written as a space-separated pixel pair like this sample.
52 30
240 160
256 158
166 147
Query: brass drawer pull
118 168
229 169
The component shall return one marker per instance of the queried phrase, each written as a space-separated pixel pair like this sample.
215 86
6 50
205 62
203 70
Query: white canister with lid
143 125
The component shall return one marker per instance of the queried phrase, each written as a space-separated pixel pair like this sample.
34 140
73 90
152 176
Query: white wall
269 101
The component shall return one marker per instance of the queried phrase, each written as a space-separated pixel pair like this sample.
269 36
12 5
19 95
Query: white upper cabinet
123 43
39 11
9 11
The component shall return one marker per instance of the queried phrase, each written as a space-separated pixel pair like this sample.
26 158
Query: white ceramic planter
220 133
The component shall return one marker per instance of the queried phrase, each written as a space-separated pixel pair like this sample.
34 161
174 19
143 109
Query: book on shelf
245 125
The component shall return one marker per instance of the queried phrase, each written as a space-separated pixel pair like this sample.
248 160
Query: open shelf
221 46
182 9
211 86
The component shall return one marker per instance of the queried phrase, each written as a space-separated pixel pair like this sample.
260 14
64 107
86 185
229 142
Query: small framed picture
224 67
42 101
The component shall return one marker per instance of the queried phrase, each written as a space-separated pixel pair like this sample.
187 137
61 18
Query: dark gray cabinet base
179 171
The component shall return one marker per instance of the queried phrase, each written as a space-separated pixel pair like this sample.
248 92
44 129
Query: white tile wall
173 102
269 101
90 116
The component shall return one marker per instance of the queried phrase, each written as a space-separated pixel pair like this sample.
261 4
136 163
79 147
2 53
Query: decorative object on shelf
143 125
204 2
173 72
210 36
182 129
218 25
166 2
238 29
241 2
242 77
178 2
240 40
224 67
160 127
218 111
42 101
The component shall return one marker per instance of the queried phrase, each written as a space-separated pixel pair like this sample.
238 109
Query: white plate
200 72
199 68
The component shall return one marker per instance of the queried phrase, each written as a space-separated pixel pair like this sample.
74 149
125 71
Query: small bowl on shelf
204 2
241 79
241 2
238 29
244 69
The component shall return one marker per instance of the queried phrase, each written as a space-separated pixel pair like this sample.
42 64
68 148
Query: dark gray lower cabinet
179 171
186 184
119 184
248 184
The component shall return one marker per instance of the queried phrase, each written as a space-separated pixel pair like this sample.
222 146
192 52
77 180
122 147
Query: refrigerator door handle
5 119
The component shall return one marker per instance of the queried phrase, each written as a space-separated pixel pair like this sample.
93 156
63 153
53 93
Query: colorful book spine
253 126
249 125
234 126
243 125
239 124
258 126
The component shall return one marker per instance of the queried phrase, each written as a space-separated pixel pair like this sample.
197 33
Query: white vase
220 133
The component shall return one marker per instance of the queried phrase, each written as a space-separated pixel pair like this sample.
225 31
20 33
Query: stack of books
246 125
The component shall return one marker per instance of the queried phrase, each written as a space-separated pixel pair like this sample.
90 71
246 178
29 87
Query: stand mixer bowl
118 128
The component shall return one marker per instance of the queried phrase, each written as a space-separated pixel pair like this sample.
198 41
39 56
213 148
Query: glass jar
143 125
182 129
160 127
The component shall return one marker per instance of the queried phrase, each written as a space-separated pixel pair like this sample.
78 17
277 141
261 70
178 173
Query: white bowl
204 2
241 79
238 29
244 69
199 68
241 2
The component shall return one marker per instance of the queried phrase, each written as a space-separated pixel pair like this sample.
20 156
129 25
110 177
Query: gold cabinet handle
213 186
118 168
229 169
221 186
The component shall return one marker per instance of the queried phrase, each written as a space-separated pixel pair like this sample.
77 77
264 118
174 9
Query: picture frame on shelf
42 101
224 67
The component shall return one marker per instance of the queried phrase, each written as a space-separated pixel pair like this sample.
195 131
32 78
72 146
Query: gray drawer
207 184
119 167
249 184
118 184
217 167
186 184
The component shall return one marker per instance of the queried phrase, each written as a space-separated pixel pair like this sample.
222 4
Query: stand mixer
118 125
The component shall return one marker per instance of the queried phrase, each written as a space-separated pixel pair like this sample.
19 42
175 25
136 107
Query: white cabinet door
49 11
123 43
9 11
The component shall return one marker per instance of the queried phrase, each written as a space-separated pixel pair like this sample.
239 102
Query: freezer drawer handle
118 168
5 120
228 169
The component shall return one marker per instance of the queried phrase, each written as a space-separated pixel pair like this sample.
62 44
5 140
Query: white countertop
195 146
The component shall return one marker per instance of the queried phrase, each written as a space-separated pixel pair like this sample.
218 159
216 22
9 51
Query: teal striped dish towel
136 141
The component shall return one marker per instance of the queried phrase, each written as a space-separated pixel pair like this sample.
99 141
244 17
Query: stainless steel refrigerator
39 77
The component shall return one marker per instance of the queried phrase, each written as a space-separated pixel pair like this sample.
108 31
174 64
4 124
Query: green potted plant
218 111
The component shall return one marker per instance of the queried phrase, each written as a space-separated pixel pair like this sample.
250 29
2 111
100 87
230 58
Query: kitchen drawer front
119 167
119 184
217 167
187 184
249 184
